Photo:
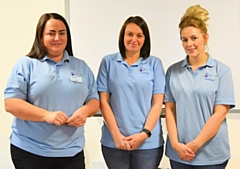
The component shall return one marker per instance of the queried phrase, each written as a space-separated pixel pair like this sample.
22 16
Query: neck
132 57
198 61
56 58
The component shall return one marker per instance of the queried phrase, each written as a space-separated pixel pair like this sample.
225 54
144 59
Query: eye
184 40
129 34
140 36
62 33
194 38
51 34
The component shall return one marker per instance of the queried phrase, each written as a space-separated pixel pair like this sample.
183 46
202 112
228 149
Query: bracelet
147 132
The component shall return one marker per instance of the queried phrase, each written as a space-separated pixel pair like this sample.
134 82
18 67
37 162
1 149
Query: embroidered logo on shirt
210 77
144 70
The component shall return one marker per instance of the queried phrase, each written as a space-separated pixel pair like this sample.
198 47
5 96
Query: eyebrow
190 36
132 32
59 31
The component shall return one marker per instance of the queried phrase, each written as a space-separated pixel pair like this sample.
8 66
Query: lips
56 44
191 50
133 45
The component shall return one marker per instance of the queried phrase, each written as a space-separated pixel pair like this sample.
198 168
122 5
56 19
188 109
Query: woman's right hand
121 142
184 152
58 118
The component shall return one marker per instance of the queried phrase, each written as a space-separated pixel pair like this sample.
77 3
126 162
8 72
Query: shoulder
78 60
221 66
110 59
26 61
154 59
176 65
154 62
112 56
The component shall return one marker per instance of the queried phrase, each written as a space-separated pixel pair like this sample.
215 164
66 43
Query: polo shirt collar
140 60
64 59
210 62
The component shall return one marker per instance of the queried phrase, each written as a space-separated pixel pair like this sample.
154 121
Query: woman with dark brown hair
131 87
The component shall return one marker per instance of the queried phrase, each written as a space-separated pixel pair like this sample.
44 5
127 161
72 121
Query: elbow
7 105
95 105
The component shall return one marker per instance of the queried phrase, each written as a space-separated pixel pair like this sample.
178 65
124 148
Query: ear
206 37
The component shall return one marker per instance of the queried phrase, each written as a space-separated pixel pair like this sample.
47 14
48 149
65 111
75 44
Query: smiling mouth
133 44
191 50
56 44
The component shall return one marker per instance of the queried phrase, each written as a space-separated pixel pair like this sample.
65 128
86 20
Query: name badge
76 77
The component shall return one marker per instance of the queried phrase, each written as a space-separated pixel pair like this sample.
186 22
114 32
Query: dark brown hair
145 50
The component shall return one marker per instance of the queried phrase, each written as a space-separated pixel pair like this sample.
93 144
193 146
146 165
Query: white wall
96 24
17 32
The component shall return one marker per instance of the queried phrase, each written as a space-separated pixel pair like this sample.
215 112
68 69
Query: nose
56 37
134 38
189 43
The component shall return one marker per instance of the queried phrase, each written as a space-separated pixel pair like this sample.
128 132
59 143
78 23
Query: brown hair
38 51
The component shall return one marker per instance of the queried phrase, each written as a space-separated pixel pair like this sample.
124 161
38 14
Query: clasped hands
187 151
131 142
59 118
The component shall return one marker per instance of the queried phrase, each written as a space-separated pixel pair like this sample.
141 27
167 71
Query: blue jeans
177 165
136 159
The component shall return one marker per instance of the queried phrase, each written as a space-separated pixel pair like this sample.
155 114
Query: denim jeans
177 165
136 159
25 160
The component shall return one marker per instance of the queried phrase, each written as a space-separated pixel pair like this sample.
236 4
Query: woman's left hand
136 140
78 119
193 146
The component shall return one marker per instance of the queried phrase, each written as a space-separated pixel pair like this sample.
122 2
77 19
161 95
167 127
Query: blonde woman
199 94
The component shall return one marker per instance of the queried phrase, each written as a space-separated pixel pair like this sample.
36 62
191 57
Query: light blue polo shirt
131 89
195 95
63 86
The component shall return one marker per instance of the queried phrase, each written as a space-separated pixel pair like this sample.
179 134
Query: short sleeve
159 77
92 86
225 92
18 81
102 78
168 93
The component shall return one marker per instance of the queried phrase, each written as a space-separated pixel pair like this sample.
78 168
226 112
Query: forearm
155 112
24 110
170 116
91 107
109 119
212 126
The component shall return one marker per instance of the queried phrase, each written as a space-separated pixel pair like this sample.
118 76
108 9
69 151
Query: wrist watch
147 132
